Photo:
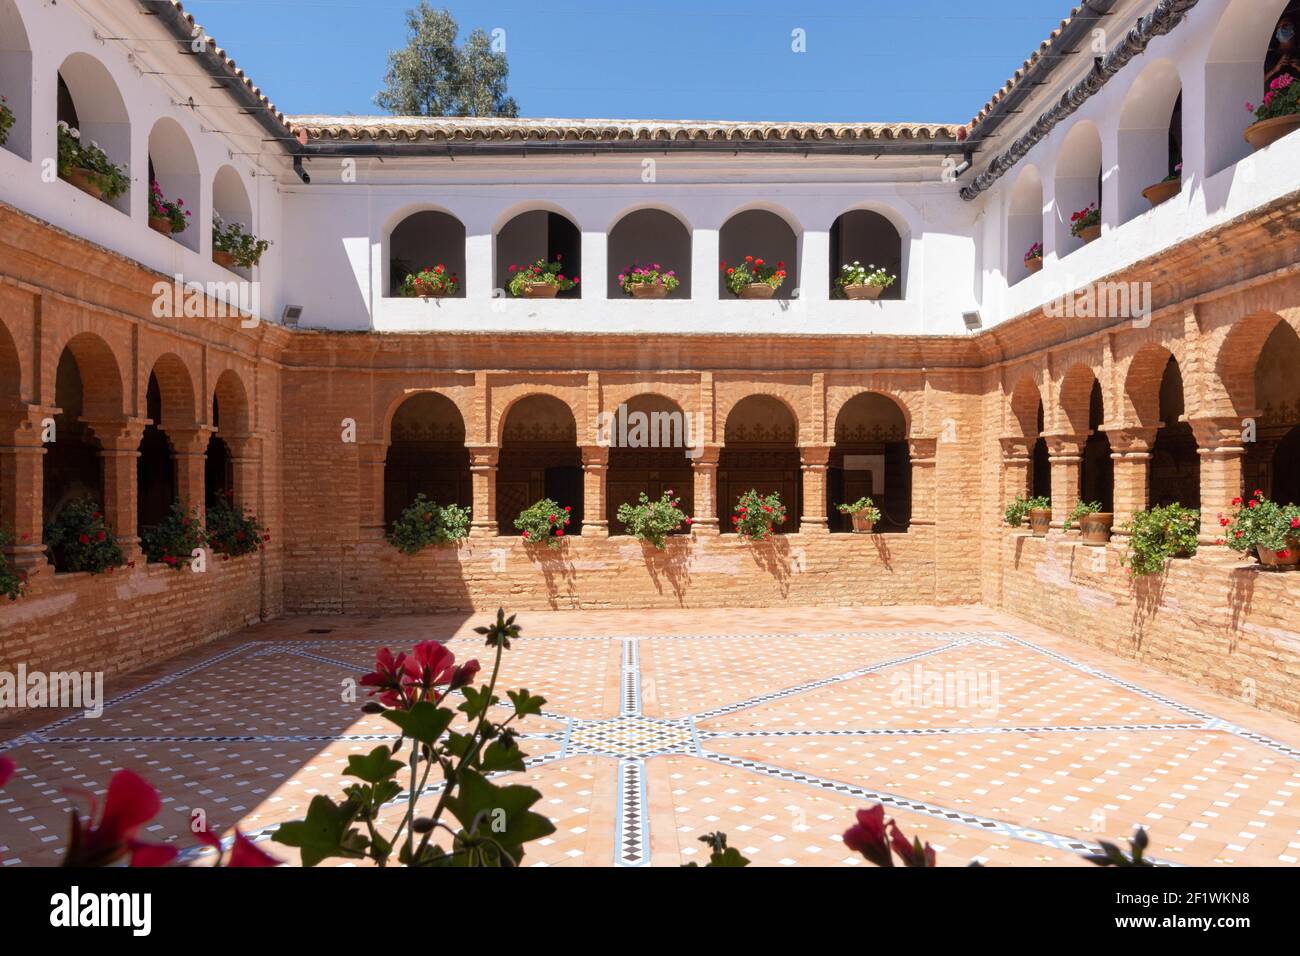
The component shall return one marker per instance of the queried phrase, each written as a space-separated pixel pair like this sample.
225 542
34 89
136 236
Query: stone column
246 464
814 459
22 487
119 443
595 466
1219 444
189 455
1065 454
371 459
1130 450
483 476
922 453
704 470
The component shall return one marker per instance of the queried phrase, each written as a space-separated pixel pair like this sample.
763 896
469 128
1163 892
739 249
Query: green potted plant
435 283
1270 530
1034 257
426 522
233 532
544 521
541 280
652 282
1158 534
1167 188
1038 510
1277 114
6 120
1086 223
1094 523
233 245
651 521
13 584
87 166
166 216
864 512
79 540
857 281
757 516
754 278
173 540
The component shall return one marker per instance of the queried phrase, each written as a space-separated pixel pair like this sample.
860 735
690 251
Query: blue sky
870 60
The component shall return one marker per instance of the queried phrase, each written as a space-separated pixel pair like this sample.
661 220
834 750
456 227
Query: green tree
431 76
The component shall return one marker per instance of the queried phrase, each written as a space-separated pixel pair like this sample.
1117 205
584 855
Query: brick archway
761 453
426 455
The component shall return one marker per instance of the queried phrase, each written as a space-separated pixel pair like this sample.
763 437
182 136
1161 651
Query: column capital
707 455
118 434
1130 440
483 456
814 456
21 424
595 456
1218 435
1016 447
1065 446
190 441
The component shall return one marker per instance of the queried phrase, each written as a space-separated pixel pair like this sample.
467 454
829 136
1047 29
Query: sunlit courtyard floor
985 736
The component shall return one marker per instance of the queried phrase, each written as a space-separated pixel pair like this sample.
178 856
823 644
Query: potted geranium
754 279
541 280
79 540
651 521
1167 188
1271 530
1277 115
13 584
857 281
1158 534
173 540
87 166
435 283
647 282
233 245
233 532
6 120
544 521
1034 257
1086 223
1093 522
1038 510
758 515
864 512
167 216
426 522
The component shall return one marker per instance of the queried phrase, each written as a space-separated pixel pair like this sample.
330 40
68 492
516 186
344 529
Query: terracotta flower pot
757 290
1089 233
161 224
224 259
1270 559
862 523
86 181
1269 131
540 290
1034 265
649 291
1163 191
1096 528
1040 521
863 291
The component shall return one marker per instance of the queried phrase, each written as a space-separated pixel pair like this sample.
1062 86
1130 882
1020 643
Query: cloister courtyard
989 738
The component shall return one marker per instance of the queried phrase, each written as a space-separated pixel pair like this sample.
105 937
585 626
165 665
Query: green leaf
326 832
374 767
505 815
477 701
526 703
423 722
502 755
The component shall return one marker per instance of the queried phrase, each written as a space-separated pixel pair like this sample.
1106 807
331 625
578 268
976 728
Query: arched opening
1255 41
870 459
648 445
1097 470
230 202
1078 181
653 239
763 235
539 459
89 101
1175 465
539 234
867 237
426 240
174 178
155 471
1150 137
88 388
1024 224
1040 463
1273 460
426 455
230 418
16 78
761 454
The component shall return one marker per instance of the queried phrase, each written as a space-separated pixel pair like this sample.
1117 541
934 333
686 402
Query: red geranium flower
429 665
7 768
130 804
386 678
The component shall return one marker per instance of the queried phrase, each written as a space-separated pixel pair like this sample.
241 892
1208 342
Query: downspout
1166 15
